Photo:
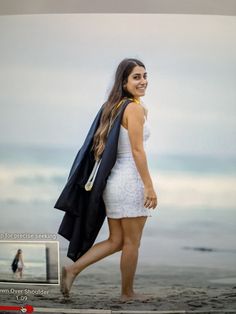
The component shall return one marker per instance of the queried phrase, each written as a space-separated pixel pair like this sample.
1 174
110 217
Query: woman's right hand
150 197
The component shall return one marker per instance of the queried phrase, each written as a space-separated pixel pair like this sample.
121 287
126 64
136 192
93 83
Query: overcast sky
56 71
30 252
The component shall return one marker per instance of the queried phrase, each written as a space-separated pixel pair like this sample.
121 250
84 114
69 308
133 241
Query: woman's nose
144 81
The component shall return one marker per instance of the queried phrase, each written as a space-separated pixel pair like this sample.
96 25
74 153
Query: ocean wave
39 179
30 183
29 174
183 190
174 189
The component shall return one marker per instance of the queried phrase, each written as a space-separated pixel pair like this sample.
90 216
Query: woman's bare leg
95 253
132 232
18 273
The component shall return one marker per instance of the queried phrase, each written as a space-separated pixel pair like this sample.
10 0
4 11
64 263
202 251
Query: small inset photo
29 262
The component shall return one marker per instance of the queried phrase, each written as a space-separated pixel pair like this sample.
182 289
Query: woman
129 193
17 264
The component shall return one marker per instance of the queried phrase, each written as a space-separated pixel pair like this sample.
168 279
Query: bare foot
67 279
136 297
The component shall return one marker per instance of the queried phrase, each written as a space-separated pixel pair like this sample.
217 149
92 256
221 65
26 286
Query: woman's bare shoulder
134 109
131 110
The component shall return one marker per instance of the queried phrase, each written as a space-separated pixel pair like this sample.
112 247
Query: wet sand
171 288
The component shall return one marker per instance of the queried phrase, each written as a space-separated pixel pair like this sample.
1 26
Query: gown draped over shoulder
124 192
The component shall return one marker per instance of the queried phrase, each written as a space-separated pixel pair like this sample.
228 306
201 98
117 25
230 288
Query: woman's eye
138 78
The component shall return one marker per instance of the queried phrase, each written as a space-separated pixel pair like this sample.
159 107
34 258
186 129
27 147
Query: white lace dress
124 192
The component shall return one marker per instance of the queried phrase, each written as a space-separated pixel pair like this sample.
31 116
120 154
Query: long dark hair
117 93
19 251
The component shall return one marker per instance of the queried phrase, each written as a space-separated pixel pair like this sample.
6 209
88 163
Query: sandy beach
171 289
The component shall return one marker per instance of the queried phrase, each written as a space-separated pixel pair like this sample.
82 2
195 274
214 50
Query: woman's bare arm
135 120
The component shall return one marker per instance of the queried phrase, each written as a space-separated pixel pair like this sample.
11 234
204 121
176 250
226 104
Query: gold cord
133 99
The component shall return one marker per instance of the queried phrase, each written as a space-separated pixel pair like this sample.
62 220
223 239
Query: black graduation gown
85 210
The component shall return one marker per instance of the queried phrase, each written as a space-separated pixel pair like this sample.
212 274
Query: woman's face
137 82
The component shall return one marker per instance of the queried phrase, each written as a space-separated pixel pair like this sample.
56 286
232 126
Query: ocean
194 223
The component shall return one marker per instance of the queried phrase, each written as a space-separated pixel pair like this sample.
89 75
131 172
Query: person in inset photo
18 265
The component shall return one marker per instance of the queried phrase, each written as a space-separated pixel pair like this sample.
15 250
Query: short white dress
124 192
